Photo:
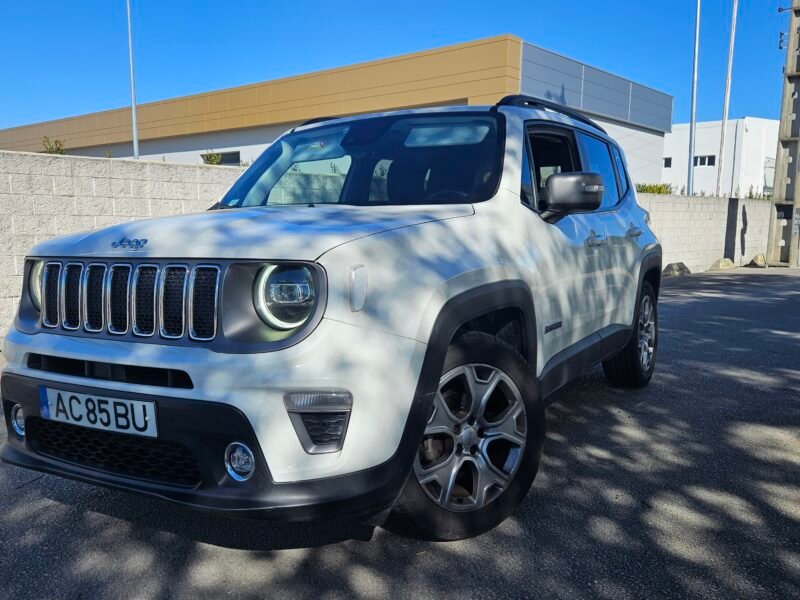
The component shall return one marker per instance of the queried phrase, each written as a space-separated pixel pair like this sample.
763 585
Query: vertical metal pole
693 126
786 189
726 104
133 86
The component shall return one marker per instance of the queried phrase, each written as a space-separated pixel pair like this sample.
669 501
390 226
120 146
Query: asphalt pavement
688 488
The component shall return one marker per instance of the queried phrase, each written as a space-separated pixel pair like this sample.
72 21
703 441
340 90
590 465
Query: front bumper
205 429
380 370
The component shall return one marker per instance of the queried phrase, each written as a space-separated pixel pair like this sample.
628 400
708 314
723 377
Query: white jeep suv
366 326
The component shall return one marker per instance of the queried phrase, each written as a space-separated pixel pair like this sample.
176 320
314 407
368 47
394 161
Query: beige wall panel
481 69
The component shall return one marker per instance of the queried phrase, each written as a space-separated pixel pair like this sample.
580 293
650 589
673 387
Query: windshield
431 159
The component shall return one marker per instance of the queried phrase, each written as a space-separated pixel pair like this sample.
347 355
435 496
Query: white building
749 169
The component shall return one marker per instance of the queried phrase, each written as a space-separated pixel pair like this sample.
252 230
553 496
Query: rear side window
624 183
598 158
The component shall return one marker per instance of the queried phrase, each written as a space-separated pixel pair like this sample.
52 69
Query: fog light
18 420
239 461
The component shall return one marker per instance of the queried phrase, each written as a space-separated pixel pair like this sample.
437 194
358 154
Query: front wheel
634 366
481 448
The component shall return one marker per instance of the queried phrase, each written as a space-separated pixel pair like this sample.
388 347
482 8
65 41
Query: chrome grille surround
51 276
166 308
100 298
113 310
69 305
193 333
145 289
93 297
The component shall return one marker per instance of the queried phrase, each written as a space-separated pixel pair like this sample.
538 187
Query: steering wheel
449 195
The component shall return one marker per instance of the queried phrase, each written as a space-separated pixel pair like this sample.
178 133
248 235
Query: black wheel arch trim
470 305
651 261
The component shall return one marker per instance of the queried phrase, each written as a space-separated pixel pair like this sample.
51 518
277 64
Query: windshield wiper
219 206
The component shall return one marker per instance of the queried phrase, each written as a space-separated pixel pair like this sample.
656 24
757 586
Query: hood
279 233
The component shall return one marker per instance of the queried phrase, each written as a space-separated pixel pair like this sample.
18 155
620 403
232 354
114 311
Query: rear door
612 275
625 237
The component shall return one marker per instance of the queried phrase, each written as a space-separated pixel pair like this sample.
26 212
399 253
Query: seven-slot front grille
172 300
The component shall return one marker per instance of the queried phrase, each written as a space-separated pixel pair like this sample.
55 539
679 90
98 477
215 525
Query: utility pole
133 86
786 192
726 103
693 126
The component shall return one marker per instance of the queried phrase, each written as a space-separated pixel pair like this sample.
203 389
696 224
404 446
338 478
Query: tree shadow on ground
690 487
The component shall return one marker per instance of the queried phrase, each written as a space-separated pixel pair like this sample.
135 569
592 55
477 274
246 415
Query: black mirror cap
573 192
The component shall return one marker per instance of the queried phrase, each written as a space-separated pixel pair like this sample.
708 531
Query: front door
572 248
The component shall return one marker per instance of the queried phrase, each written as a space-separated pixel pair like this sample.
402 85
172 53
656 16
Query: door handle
596 241
634 232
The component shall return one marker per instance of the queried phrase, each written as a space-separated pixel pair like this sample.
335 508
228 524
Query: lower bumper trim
208 431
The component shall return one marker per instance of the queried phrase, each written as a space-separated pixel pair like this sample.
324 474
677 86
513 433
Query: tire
628 369
478 458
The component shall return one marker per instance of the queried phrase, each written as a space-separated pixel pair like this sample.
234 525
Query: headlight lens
284 296
35 283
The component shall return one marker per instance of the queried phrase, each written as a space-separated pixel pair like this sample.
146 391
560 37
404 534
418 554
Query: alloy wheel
474 440
647 332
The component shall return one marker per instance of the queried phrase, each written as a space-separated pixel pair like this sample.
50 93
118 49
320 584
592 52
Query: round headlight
35 284
284 296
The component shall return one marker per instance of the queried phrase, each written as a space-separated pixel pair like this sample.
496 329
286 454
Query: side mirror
572 192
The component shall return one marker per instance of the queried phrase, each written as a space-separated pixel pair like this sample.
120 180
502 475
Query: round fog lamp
239 461
18 420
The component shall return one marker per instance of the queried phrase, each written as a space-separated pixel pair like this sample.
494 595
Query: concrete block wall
698 231
42 196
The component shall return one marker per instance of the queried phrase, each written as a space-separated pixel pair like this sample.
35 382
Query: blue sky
63 58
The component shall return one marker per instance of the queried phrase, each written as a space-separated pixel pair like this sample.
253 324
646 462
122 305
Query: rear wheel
633 367
481 448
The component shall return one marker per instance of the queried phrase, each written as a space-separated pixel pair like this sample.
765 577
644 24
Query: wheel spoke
487 477
507 427
443 474
481 390
442 420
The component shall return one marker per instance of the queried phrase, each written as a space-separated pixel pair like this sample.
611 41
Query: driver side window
553 151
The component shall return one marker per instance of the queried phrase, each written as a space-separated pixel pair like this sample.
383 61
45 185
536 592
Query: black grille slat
118 298
52 274
144 318
95 277
151 459
172 310
204 303
72 296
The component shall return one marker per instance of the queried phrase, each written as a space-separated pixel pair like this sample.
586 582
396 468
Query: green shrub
654 188
53 146
212 158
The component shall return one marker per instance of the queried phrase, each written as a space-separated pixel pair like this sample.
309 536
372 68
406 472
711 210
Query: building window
668 162
705 161
222 158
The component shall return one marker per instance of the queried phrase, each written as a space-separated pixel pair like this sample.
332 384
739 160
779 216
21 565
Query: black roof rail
522 100
317 120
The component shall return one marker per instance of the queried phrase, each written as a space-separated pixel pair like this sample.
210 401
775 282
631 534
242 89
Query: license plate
110 414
